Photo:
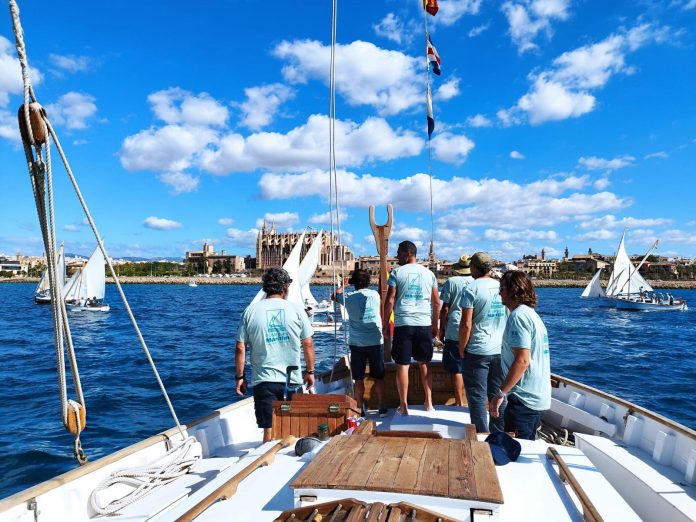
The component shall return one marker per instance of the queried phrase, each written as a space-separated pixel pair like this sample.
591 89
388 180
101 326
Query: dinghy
85 290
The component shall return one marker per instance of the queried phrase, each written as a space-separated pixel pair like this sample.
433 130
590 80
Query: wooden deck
460 469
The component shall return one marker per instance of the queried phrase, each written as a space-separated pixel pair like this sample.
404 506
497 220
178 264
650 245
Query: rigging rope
430 154
333 194
40 172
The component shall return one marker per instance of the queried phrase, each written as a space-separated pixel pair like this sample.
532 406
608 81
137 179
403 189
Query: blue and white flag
431 120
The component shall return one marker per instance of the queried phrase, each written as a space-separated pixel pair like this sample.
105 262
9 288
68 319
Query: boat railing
589 511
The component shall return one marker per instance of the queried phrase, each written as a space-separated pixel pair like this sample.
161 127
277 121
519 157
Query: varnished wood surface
460 469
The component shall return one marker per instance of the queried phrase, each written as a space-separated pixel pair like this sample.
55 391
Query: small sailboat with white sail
42 295
86 288
594 288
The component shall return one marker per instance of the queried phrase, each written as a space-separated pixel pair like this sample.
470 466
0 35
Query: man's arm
444 313
435 301
388 309
519 366
239 362
465 329
308 349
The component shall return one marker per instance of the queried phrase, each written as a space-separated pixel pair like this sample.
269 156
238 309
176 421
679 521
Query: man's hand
242 386
494 405
309 380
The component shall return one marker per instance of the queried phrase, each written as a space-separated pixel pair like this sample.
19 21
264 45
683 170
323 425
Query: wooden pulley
38 126
72 418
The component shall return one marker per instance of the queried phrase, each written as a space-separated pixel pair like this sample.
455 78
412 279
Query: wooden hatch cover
350 509
458 469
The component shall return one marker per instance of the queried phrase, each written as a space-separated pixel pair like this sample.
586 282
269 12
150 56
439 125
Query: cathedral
273 248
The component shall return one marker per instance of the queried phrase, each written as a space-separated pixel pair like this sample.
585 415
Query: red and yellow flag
431 6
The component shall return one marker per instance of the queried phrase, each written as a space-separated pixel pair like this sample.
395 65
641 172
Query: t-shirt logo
369 314
275 326
497 308
414 287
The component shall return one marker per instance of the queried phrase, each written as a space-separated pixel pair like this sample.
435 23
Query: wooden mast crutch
382 233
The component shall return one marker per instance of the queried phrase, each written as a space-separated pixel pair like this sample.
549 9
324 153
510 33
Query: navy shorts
264 395
412 342
359 355
451 360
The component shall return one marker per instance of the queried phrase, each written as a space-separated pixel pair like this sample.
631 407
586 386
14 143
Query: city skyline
557 123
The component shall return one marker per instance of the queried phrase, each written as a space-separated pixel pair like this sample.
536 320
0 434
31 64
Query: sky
557 123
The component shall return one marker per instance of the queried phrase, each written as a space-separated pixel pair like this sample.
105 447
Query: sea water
645 357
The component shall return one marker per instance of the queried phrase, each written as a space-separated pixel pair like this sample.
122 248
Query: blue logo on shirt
275 326
414 287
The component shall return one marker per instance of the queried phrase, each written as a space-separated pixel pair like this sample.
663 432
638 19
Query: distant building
588 263
371 264
208 261
10 265
658 270
273 248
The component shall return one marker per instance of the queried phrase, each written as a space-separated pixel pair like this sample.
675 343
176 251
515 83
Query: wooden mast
382 233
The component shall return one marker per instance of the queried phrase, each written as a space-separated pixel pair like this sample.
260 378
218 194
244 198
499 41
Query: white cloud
527 18
397 86
659 154
562 91
280 219
595 163
177 106
448 90
11 72
452 10
243 238
678 236
610 221
156 223
598 235
451 148
73 110
262 103
70 62
493 234
225 221
392 28
601 183
325 218
515 154
689 4
180 182
475 31
478 121
70 227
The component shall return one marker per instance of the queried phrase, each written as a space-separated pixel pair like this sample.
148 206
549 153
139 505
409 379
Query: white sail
93 277
593 288
44 284
308 267
71 290
292 267
619 284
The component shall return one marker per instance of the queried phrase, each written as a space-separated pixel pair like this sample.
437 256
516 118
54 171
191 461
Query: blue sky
558 123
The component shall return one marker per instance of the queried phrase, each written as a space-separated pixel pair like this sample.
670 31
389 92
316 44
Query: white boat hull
625 304
80 308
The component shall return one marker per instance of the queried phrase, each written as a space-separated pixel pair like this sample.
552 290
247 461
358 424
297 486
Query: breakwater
256 281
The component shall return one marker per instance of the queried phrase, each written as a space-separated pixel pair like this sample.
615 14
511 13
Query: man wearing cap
480 338
415 300
275 330
450 316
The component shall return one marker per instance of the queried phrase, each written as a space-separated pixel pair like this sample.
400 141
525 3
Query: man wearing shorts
414 298
274 329
450 317
365 336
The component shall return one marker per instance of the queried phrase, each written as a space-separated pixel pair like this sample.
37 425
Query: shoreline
327 281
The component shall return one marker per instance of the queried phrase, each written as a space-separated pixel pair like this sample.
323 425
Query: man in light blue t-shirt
414 298
365 336
450 317
525 359
274 329
480 336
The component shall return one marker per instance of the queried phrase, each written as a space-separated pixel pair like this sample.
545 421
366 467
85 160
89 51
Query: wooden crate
302 415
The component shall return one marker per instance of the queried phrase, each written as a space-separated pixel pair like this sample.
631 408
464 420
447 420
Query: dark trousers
483 376
521 419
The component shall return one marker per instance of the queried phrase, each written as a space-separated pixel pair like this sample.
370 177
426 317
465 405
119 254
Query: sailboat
86 288
594 288
42 295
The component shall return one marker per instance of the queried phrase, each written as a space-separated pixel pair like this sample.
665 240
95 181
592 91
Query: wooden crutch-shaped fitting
382 233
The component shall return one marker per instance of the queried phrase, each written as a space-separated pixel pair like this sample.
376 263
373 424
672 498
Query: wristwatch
501 393
309 372
239 377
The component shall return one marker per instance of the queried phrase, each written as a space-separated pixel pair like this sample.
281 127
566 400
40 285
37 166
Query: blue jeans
483 376
521 419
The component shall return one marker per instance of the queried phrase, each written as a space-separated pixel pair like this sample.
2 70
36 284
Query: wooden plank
342 467
469 432
409 472
295 424
485 475
435 469
366 427
378 512
462 483
356 473
284 424
394 515
385 469
409 434
315 474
